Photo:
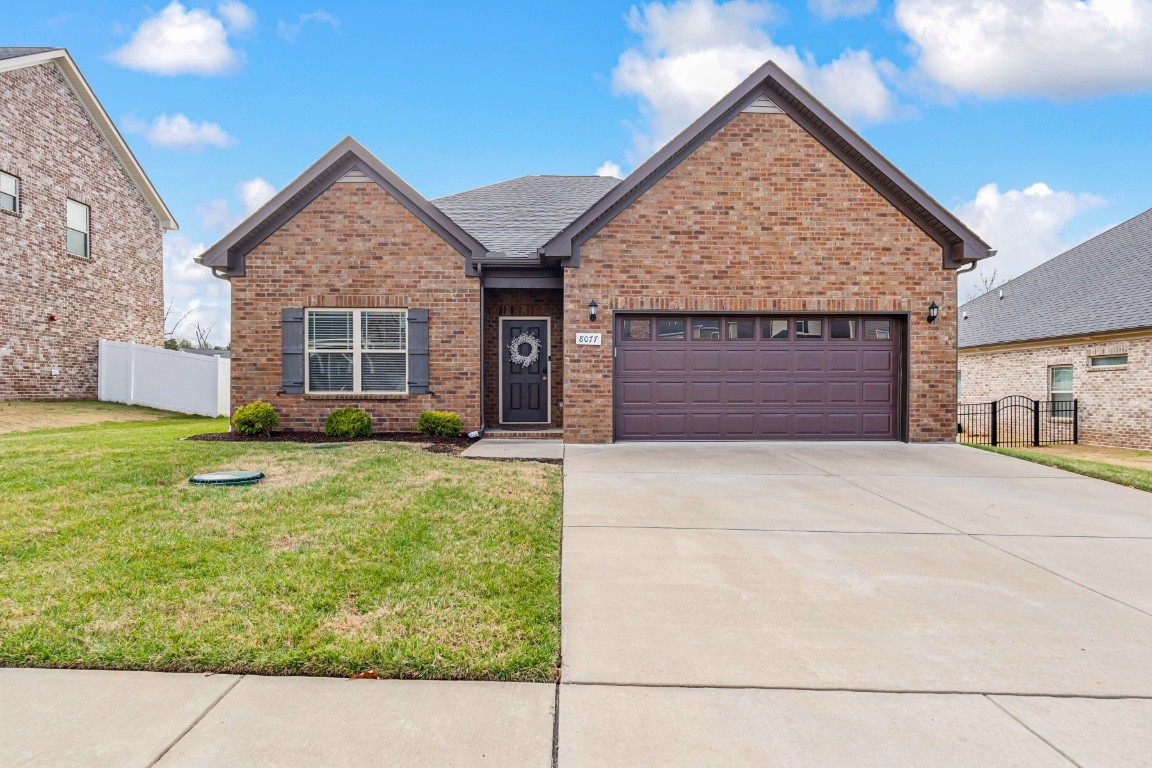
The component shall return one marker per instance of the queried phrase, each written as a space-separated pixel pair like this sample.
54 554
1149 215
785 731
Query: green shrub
439 423
347 423
258 418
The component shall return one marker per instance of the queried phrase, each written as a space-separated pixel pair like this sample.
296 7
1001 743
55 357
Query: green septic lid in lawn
238 477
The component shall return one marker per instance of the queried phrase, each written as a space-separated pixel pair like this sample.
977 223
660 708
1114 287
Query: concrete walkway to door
842 604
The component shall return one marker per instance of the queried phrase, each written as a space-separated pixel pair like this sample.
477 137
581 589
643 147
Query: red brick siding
355 245
761 218
521 303
48 140
1115 403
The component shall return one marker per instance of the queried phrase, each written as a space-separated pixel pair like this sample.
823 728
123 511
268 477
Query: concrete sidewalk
93 719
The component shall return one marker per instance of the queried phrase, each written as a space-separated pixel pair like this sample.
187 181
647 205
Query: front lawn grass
1134 477
368 556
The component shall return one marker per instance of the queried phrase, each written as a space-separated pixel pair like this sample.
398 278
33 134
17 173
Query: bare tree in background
986 282
170 326
203 332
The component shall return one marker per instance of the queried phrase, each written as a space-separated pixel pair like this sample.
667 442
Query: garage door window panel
809 329
705 329
636 329
842 328
670 329
774 328
877 330
741 330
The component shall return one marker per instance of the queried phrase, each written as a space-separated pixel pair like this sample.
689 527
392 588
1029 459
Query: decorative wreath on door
516 357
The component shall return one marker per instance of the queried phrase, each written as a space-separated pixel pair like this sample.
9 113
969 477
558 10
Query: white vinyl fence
163 378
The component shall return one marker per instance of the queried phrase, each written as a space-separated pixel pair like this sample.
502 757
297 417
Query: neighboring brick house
81 231
767 274
1078 326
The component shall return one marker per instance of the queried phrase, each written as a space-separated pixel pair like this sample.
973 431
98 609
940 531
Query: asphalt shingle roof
517 217
1104 284
12 53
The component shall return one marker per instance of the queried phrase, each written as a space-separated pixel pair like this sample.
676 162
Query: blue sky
1026 117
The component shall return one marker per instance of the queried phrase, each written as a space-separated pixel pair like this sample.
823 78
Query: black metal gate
1019 421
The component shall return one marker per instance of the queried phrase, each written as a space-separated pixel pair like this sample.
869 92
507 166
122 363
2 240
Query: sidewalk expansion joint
195 722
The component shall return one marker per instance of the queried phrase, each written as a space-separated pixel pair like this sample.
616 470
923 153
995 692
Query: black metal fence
1020 421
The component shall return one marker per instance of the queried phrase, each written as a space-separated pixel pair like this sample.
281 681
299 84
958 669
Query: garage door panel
810 360
670 360
878 392
843 392
757 388
877 360
710 360
843 361
705 393
808 392
776 360
670 393
776 392
740 392
741 360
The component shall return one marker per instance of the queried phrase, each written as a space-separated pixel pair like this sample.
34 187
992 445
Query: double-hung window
1060 390
357 351
9 192
77 229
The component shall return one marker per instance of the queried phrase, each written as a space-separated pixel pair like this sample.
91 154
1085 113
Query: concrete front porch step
524 434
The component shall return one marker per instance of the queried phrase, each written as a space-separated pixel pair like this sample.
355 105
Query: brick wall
500 302
47 139
356 246
762 217
1115 403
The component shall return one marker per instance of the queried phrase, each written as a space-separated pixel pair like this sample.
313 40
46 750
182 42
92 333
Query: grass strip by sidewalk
1114 473
374 555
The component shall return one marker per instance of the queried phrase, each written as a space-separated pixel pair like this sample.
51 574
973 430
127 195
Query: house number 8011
588 339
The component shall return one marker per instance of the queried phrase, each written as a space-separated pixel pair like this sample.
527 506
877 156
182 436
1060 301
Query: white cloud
610 168
694 51
180 41
254 193
1026 226
1055 48
178 132
289 30
216 214
236 15
834 9
190 288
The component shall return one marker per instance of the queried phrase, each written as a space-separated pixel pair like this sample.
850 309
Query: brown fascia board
227 257
959 244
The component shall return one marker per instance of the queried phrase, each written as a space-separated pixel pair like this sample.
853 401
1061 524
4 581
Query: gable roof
19 58
770 89
516 217
1102 285
350 158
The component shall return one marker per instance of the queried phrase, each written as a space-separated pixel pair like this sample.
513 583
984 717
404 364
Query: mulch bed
432 443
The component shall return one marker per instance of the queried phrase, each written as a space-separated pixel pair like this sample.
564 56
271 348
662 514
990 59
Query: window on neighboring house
77 229
1109 361
359 351
9 192
1060 390
959 385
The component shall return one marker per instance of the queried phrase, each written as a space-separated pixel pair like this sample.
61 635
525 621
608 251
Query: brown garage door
757 378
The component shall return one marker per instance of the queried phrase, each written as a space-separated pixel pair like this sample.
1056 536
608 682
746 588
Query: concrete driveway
807 604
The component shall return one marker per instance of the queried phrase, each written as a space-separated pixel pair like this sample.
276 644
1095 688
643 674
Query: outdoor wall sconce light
592 307
933 312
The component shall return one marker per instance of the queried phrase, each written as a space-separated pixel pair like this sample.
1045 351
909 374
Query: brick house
1079 326
767 274
81 231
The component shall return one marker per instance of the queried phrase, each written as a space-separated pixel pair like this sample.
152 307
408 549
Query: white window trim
357 351
17 195
86 232
1092 366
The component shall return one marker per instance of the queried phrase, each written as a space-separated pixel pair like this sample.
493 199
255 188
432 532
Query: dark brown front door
833 377
524 370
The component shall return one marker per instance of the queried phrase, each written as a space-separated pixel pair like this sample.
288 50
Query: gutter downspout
483 410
